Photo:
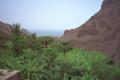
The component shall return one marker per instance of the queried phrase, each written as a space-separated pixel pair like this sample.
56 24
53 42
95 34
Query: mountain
5 34
101 32
5 29
25 32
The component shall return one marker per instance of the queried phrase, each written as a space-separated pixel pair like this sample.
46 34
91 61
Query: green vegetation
42 58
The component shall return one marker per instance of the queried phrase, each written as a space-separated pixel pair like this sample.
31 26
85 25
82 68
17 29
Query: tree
34 35
33 41
46 40
62 46
16 29
17 39
66 46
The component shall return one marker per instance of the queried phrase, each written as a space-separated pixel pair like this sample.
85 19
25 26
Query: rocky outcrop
101 32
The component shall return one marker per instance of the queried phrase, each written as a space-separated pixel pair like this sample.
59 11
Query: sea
54 33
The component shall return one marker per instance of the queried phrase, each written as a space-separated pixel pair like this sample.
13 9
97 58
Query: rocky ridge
101 32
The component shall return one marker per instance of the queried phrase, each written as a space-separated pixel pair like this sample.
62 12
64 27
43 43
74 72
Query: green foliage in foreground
97 66
42 58
84 59
76 64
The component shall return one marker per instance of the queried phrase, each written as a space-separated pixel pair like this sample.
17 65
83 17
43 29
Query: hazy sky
48 14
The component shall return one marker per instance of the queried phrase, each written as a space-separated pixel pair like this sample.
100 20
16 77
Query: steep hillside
6 32
5 29
101 32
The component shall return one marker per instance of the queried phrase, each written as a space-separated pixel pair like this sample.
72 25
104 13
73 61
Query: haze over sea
54 33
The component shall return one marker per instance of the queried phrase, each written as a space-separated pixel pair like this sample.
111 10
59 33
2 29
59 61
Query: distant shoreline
54 33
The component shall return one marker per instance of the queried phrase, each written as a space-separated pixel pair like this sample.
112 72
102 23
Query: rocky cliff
101 32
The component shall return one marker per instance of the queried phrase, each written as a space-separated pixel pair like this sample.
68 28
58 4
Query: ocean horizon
54 33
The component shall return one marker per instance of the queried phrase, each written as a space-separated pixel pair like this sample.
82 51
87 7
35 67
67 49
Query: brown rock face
5 29
101 32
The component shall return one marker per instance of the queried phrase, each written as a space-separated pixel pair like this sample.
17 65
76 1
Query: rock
101 32
9 75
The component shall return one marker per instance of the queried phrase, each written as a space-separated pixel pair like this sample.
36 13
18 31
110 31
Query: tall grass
95 64
29 64
77 64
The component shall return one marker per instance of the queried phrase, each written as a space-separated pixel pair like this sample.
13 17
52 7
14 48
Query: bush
76 64
94 63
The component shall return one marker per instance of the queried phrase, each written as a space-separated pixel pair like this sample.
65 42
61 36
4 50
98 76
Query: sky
48 14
